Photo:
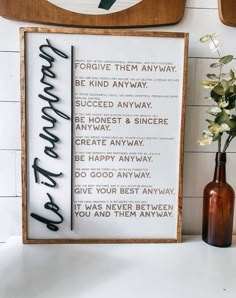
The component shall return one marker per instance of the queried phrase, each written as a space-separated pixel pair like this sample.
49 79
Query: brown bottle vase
218 207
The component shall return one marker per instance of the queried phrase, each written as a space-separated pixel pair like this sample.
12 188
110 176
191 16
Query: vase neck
220 172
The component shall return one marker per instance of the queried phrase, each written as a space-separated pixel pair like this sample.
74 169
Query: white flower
207 138
223 103
217 129
207 133
224 127
215 111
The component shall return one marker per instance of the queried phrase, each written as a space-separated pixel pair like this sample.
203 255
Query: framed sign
95 13
102 135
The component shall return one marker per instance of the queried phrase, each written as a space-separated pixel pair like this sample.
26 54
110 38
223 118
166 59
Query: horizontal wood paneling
18 174
199 22
196 21
9 32
10 217
192 216
10 125
191 80
202 3
7 173
9 76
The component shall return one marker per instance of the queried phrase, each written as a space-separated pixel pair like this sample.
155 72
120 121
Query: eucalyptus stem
227 142
218 52
219 144
215 47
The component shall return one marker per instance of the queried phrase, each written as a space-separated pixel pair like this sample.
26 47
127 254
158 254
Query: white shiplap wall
201 17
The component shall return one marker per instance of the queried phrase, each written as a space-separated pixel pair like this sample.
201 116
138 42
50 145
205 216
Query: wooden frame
115 13
226 12
102 135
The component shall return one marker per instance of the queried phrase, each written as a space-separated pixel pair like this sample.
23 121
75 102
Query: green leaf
225 75
205 38
216 97
232 124
232 74
222 118
215 65
226 59
210 121
212 76
224 84
219 90
230 97
209 83
234 89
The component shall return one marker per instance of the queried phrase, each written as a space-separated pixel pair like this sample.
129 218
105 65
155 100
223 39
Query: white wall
200 17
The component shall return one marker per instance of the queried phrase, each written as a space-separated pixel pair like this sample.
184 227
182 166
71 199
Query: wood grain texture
227 10
97 241
23 138
181 158
145 13
65 30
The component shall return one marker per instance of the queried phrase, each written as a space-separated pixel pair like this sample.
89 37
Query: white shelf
191 269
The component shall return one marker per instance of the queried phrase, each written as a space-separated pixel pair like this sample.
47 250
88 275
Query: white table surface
191 269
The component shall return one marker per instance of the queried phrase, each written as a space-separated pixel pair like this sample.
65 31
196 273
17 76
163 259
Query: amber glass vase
218 207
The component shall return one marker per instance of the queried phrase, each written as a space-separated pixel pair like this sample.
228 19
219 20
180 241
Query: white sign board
102 135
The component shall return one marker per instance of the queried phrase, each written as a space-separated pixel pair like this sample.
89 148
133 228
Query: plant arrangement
222 85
